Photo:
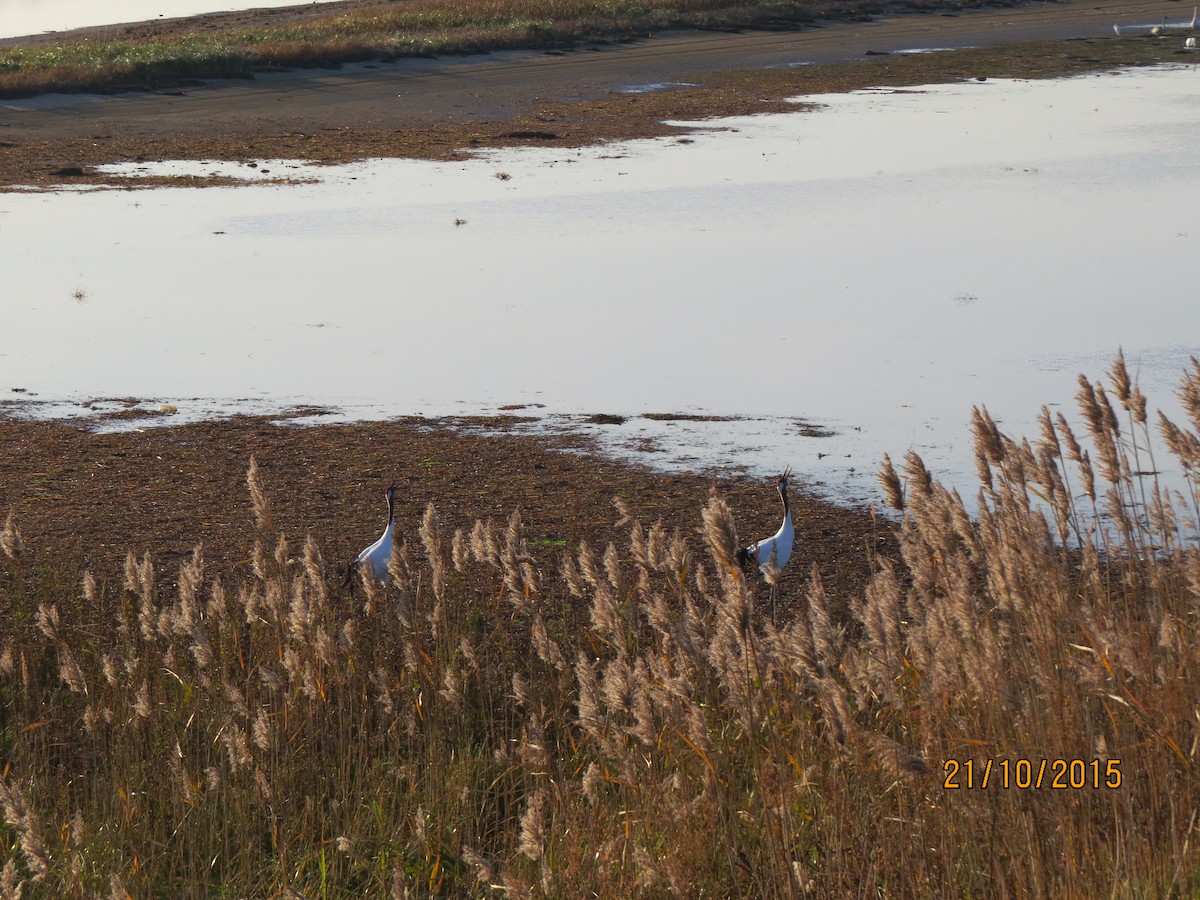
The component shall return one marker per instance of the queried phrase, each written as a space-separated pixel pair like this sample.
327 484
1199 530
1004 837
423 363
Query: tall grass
628 720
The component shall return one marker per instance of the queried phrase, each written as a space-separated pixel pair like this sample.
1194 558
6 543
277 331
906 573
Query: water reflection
873 269
22 17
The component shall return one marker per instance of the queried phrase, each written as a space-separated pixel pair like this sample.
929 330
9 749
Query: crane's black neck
783 495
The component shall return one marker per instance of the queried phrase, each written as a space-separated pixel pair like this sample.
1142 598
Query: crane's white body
376 557
772 554
777 549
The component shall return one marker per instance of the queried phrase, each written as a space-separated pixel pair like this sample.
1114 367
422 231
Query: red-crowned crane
772 554
375 558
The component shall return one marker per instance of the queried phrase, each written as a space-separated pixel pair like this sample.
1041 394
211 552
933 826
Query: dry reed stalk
514 886
48 620
237 748
533 835
323 646
478 541
889 481
18 814
720 533
624 516
587 710
431 540
638 551
547 648
893 756
880 615
10 888
570 574
657 552
264 518
989 448
827 639
587 565
644 728
141 702
612 569
144 587
617 686
217 608
451 688
186 790
10 537
314 571
300 615
838 718
69 671
1119 375
459 548
920 482
400 569
484 871
1189 394
1183 444
1101 423
263 732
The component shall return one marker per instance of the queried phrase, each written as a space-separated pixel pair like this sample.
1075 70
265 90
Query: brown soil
83 500
443 108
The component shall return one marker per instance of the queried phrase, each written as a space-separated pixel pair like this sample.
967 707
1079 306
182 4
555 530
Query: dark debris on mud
83 499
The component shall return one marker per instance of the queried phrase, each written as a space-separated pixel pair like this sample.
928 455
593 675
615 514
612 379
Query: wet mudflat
83 499
814 289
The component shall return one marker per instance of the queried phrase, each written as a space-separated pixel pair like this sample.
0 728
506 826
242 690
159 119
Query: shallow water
872 270
22 17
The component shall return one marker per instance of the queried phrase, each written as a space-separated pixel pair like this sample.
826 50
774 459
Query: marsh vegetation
169 54
629 720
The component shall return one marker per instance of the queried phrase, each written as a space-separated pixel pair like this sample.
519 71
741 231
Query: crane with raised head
771 554
376 557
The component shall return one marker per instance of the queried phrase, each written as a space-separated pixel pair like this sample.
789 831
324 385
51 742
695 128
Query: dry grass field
1007 706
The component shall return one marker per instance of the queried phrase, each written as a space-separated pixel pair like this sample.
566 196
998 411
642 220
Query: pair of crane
768 555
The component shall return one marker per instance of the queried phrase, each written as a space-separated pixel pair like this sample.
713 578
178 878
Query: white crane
1157 30
376 557
772 554
1190 43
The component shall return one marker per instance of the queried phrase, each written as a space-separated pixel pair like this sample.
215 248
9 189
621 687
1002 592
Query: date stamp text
1026 774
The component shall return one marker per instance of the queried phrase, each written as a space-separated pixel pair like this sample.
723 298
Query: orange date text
1026 774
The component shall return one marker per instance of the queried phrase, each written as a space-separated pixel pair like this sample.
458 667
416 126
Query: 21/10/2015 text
1023 774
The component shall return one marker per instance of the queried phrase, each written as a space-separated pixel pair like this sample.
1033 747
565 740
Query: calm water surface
21 17
868 271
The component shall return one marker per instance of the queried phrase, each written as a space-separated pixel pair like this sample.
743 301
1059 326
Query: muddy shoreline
445 108
83 500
